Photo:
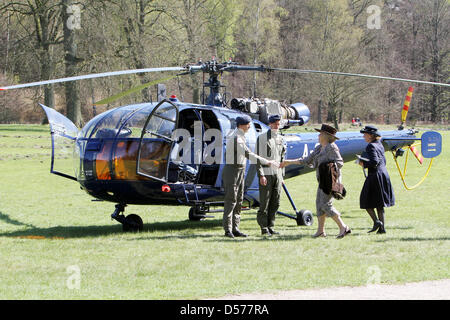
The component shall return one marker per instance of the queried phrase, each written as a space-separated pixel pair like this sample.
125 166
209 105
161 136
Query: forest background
46 39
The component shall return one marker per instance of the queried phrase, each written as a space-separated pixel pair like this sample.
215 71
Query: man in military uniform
270 145
237 153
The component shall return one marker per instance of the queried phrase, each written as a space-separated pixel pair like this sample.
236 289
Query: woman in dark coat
377 191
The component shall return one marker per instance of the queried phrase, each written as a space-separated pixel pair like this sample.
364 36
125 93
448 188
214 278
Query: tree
139 20
436 28
334 45
42 25
257 34
71 15
414 44
221 24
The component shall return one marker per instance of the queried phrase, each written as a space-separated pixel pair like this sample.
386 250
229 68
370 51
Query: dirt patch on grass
427 290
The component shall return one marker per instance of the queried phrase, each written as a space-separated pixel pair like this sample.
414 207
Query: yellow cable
406 162
407 155
404 175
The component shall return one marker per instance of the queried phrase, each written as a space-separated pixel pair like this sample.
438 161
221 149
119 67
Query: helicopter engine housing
262 109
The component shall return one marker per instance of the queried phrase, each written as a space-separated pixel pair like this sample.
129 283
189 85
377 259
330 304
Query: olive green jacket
270 145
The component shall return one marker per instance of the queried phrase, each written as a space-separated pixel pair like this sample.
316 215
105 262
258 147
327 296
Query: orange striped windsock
406 104
417 154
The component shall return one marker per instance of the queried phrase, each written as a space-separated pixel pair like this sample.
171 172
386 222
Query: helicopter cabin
137 142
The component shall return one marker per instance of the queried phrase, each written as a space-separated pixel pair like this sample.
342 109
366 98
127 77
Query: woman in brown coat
326 151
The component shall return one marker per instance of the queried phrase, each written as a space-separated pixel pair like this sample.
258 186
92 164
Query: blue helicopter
129 155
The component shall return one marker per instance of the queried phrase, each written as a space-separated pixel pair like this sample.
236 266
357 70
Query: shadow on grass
71 232
219 237
62 232
68 232
259 238
183 225
387 228
5 218
176 236
415 239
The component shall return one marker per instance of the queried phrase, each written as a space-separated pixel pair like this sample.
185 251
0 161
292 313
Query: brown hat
328 130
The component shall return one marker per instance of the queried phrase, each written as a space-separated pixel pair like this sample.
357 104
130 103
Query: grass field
51 231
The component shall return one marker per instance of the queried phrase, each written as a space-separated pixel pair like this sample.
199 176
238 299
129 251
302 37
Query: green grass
48 224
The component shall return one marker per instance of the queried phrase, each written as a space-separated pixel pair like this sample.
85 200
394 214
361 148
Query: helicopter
131 154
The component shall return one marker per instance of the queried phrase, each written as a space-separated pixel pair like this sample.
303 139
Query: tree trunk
332 113
70 57
329 115
255 48
47 72
319 112
8 21
47 63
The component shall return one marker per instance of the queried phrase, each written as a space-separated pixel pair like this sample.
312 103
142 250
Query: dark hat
328 130
273 118
371 129
244 119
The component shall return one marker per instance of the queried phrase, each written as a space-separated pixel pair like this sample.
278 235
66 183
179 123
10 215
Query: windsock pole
416 154
406 104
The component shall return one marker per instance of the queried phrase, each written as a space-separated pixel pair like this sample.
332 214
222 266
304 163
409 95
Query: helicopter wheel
305 218
195 215
132 223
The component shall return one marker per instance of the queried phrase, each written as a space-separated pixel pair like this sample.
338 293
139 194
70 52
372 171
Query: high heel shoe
320 235
378 224
347 231
381 230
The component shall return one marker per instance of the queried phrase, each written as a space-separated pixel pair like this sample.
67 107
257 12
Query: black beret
244 119
370 129
273 118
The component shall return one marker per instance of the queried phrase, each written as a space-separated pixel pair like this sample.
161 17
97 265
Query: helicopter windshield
131 142
111 124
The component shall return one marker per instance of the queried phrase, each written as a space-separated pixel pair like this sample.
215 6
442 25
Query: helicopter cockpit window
156 142
136 122
167 112
92 124
108 126
160 127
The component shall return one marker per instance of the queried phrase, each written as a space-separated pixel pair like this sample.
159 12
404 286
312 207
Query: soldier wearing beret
237 153
270 144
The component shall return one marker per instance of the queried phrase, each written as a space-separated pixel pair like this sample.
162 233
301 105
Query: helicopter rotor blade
358 75
233 68
94 75
132 90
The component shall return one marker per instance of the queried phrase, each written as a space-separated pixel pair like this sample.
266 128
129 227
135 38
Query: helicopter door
64 134
156 142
